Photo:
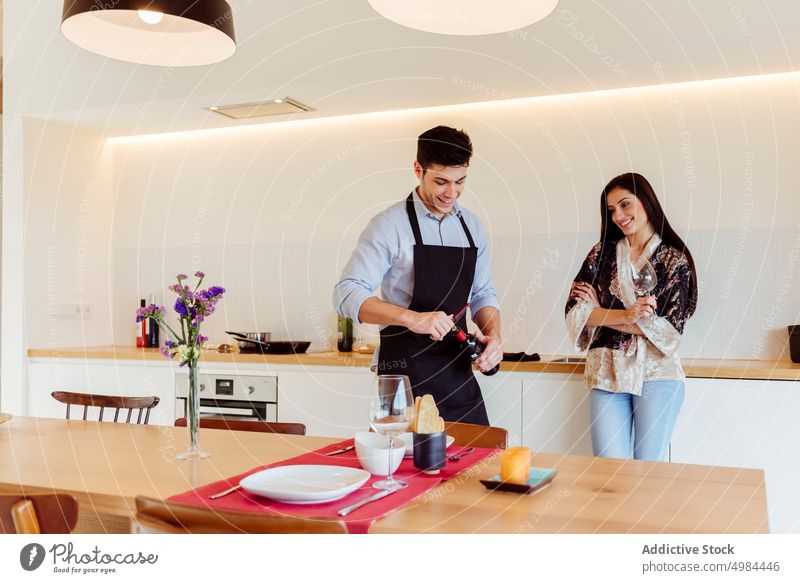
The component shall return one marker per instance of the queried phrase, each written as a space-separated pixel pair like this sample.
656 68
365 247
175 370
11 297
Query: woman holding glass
628 306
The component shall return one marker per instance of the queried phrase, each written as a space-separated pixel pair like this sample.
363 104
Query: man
430 258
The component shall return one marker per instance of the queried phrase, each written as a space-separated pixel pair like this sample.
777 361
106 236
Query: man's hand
435 324
492 352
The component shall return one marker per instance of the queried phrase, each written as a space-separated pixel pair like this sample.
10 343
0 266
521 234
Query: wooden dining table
106 465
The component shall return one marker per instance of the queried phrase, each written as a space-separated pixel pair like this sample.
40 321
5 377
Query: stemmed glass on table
644 277
387 416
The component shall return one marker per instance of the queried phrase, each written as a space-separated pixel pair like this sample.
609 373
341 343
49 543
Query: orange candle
515 465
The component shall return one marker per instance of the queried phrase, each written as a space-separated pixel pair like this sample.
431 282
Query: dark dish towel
521 357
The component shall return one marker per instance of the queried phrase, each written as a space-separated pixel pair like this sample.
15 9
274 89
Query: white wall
67 234
272 212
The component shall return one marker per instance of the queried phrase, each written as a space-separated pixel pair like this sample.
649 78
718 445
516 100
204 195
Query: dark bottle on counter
472 347
152 332
345 336
141 332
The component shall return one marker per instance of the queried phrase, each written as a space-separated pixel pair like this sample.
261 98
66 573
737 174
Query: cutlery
338 451
225 492
458 456
348 509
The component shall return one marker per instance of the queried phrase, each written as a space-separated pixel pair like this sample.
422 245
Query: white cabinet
329 401
555 414
502 394
750 424
99 377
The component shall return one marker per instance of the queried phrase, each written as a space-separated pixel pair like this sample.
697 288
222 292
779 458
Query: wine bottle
140 333
152 336
472 347
345 336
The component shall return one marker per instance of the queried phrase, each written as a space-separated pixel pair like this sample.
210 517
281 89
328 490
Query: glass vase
193 417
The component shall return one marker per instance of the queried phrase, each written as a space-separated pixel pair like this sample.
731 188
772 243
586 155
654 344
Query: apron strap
412 218
466 231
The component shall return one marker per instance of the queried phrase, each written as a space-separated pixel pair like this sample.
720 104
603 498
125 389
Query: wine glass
387 416
644 277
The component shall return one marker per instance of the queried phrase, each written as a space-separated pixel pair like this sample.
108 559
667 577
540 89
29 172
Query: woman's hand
584 291
643 308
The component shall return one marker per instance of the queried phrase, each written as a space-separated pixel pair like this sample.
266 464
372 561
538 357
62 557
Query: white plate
409 439
312 484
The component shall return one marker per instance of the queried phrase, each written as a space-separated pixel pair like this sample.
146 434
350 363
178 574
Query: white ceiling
340 57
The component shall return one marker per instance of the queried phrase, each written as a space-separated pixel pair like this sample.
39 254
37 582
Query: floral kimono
617 361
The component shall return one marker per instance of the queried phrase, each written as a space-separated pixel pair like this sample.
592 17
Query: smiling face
627 212
440 186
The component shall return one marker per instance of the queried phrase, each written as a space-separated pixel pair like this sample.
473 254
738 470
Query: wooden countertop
106 465
693 367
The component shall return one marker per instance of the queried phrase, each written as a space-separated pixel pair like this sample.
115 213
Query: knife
338 451
347 510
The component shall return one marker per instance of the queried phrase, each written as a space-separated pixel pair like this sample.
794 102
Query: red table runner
358 521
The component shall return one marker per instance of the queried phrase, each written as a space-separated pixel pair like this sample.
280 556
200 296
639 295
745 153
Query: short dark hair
445 146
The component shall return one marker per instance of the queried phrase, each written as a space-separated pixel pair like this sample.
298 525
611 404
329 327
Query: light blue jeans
619 420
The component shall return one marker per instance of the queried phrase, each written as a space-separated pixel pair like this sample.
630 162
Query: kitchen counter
693 367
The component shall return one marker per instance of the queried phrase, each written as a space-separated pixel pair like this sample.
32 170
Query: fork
225 492
458 456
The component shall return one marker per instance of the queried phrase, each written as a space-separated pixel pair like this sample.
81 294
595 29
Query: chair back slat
157 516
142 404
24 518
49 513
243 425
467 434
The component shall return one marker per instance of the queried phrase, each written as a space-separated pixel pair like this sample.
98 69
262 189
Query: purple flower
180 307
193 306
151 311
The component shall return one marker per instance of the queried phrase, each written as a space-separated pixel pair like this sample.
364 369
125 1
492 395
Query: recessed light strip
191 134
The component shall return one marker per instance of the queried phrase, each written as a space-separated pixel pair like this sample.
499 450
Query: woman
632 367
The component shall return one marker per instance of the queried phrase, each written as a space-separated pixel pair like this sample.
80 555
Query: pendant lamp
173 33
464 17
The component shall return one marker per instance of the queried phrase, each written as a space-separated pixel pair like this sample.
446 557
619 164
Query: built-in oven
231 396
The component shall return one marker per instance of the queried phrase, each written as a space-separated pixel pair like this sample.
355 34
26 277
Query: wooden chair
108 402
160 517
241 425
467 434
38 514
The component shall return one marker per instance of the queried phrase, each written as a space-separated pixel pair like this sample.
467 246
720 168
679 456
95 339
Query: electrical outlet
72 311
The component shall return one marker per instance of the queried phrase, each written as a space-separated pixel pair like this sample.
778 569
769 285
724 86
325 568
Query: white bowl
374 454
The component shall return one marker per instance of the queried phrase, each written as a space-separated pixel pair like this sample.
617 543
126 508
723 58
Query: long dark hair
639 187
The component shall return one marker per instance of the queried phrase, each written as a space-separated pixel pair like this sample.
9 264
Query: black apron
442 281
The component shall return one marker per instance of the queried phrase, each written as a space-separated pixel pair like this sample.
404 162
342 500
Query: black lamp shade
170 33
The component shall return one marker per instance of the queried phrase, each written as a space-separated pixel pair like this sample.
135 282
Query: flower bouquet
193 306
